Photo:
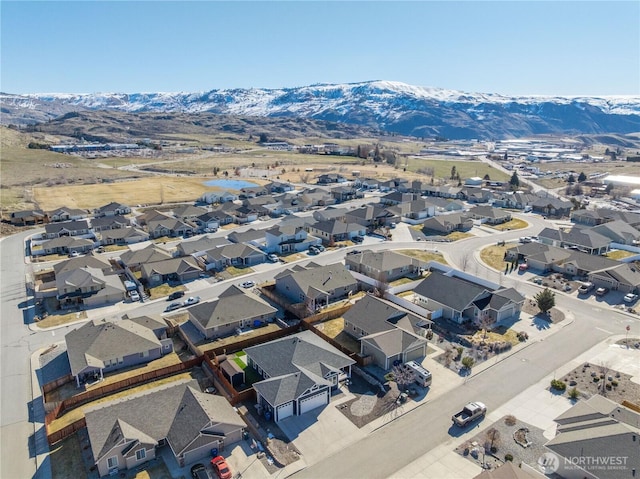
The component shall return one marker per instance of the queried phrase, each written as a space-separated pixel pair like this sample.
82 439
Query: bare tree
485 322
381 285
465 259
492 437
604 367
403 376
448 356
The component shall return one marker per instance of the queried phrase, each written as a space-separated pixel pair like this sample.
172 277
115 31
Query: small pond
230 184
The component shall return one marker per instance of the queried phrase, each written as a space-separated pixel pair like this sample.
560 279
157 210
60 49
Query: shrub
596 379
493 449
574 393
510 420
468 362
508 457
614 383
558 385
459 349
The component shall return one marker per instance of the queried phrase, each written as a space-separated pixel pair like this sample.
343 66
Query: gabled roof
51 228
103 221
617 229
577 235
201 244
394 341
66 242
232 306
68 211
100 340
179 413
451 291
317 280
282 389
187 211
374 315
304 354
488 212
623 273
170 223
251 234
86 261
285 230
123 233
113 206
337 227
233 250
384 260
180 265
148 254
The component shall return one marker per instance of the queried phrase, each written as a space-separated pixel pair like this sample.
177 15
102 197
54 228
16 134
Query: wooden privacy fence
56 383
88 396
65 431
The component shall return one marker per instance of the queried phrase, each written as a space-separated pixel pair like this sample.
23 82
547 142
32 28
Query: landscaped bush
574 393
468 362
558 385
459 349
508 457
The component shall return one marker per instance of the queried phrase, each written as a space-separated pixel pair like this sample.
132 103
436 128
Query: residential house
65 245
198 247
209 198
112 209
188 213
329 178
232 310
179 269
227 196
445 191
285 239
385 266
292 203
476 195
241 213
252 236
252 192
29 217
508 470
396 197
460 300
619 232
367 183
123 236
209 221
234 254
386 332
446 224
66 228
622 277
103 223
413 212
151 215
330 213
278 187
134 259
346 193
89 287
489 215
332 231
317 197
67 214
87 261
551 206
265 205
169 226
514 200
604 215
371 216
124 434
583 239
316 285
596 439
102 346
155 324
396 184
299 373
446 206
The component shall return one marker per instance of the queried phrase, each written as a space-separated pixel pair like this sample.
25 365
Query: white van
423 376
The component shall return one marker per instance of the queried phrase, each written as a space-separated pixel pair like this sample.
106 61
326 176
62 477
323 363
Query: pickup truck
469 413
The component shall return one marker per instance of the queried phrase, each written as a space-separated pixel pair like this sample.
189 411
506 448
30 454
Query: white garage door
307 404
285 410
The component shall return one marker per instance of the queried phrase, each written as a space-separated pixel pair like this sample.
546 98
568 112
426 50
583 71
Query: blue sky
508 47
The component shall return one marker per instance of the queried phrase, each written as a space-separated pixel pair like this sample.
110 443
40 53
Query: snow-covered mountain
391 106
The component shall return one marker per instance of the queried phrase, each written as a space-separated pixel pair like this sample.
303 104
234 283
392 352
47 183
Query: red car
221 467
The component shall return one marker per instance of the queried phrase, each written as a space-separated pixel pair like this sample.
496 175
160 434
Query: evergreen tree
545 299
514 181
582 177
453 172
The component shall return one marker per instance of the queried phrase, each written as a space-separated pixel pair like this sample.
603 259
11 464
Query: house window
141 454
112 462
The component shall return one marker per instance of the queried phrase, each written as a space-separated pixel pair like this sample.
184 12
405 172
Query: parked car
630 297
191 300
134 295
248 284
523 267
173 307
221 467
74 254
313 250
469 413
210 390
273 257
602 291
175 295
537 280
585 288
198 471
320 248
357 239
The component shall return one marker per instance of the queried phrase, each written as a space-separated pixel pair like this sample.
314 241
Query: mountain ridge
387 105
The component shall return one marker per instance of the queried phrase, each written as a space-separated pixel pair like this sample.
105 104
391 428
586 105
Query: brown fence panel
245 343
55 384
329 314
66 431
248 395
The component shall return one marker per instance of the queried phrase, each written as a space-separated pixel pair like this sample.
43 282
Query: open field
514 224
493 255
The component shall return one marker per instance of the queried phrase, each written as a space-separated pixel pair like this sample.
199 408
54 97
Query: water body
230 184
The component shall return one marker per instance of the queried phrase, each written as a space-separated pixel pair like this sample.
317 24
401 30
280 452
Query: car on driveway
134 295
191 300
320 248
173 307
273 258
630 298
357 239
198 471
602 291
248 284
175 295
221 468
523 267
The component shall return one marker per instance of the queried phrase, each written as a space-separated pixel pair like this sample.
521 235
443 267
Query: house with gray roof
444 191
316 285
103 223
65 245
102 346
127 432
332 231
90 260
386 332
371 216
461 299
551 206
385 266
299 373
233 309
152 253
253 236
87 286
330 213
67 214
285 239
446 224
597 439
413 212
604 215
66 228
619 232
584 239
622 277
188 212
112 209
396 197
445 205
123 236
198 246
28 217
489 215
234 254
169 226
181 269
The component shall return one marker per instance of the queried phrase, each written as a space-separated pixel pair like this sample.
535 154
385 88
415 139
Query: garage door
285 410
307 404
